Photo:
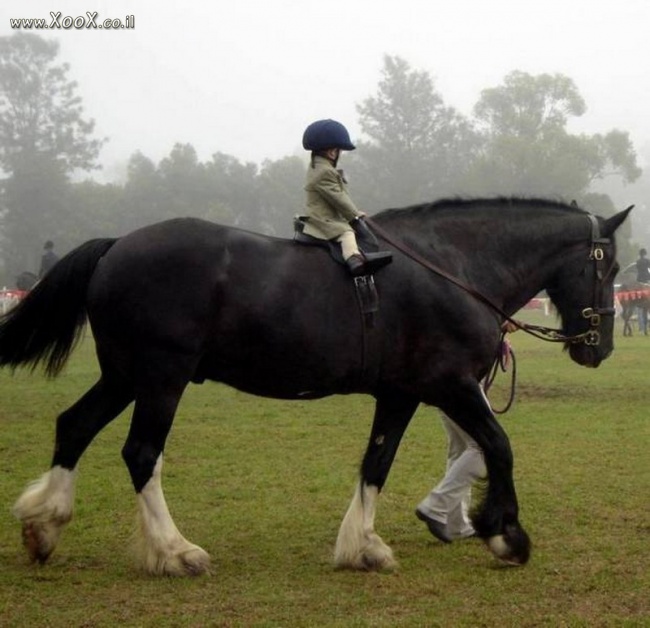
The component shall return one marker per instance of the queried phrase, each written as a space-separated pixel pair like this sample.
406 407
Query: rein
549 334
504 352
505 356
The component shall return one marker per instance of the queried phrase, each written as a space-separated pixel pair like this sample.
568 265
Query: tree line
414 148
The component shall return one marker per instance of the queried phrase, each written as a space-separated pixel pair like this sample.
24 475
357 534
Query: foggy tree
178 186
528 149
221 190
281 194
191 188
98 211
234 186
183 181
616 156
418 149
142 193
43 138
641 197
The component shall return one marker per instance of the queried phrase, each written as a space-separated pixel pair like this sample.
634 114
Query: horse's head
583 293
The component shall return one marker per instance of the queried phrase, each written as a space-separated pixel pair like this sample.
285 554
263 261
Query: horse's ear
613 223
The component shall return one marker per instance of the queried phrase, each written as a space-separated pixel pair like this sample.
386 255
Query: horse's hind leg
162 549
627 329
358 546
626 315
45 506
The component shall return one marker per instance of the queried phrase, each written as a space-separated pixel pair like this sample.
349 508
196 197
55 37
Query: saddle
366 241
364 284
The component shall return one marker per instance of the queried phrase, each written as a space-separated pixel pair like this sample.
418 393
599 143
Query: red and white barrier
633 295
9 298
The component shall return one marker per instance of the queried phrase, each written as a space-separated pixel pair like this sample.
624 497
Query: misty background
199 110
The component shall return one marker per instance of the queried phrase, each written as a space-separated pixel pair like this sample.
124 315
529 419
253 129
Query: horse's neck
508 257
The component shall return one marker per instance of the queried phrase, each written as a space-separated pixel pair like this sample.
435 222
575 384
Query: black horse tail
47 323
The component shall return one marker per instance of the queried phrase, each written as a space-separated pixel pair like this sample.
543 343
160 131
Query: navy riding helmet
324 134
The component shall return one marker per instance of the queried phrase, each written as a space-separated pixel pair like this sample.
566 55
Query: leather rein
593 314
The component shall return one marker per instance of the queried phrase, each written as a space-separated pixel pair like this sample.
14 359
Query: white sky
244 77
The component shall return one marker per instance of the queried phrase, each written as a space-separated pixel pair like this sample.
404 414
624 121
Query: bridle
593 313
601 273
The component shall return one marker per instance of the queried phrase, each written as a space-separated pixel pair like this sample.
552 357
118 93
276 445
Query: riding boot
356 265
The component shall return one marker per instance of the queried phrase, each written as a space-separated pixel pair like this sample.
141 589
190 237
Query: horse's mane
462 203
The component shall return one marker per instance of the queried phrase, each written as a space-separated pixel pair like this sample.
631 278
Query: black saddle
364 282
366 240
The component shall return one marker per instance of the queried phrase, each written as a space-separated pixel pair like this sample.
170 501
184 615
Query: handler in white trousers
445 509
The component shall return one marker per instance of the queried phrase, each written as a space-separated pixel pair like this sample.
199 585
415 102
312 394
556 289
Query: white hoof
44 508
192 561
501 550
40 539
370 555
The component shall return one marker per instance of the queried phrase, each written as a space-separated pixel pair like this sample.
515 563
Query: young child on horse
330 210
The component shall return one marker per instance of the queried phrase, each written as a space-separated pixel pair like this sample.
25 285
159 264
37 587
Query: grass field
262 485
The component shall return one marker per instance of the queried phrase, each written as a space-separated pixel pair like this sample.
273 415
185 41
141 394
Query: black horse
186 300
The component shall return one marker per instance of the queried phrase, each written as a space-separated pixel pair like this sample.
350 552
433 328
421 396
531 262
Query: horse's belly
283 374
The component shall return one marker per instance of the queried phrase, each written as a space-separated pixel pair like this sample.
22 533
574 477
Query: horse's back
250 308
181 254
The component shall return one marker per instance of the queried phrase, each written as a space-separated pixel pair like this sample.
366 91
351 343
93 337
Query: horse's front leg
358 546
496 520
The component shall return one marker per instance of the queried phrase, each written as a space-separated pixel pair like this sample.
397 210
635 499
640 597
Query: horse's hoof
192 562
374 562
512 547
375 555
368 562
195 562
35 543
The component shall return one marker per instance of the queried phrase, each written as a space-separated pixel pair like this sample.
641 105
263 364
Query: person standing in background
48 259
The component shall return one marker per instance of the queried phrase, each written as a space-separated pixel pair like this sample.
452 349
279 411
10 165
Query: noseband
593 314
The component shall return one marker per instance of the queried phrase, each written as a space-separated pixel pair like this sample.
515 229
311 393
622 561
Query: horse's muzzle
588 355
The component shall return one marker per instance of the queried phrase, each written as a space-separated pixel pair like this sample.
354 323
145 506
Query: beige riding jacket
329 206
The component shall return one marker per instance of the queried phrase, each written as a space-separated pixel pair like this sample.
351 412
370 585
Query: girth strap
368 300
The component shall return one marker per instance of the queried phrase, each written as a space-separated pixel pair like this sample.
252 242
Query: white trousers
348 242
450 500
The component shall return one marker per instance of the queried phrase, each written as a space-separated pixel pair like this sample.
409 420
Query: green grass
262 485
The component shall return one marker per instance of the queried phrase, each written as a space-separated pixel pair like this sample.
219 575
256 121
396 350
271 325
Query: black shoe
356 265
435 527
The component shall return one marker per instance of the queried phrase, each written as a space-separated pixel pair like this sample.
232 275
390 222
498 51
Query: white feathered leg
163 549
44 508
358 546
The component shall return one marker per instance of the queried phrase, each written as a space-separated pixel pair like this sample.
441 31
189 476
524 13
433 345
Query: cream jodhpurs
348 241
